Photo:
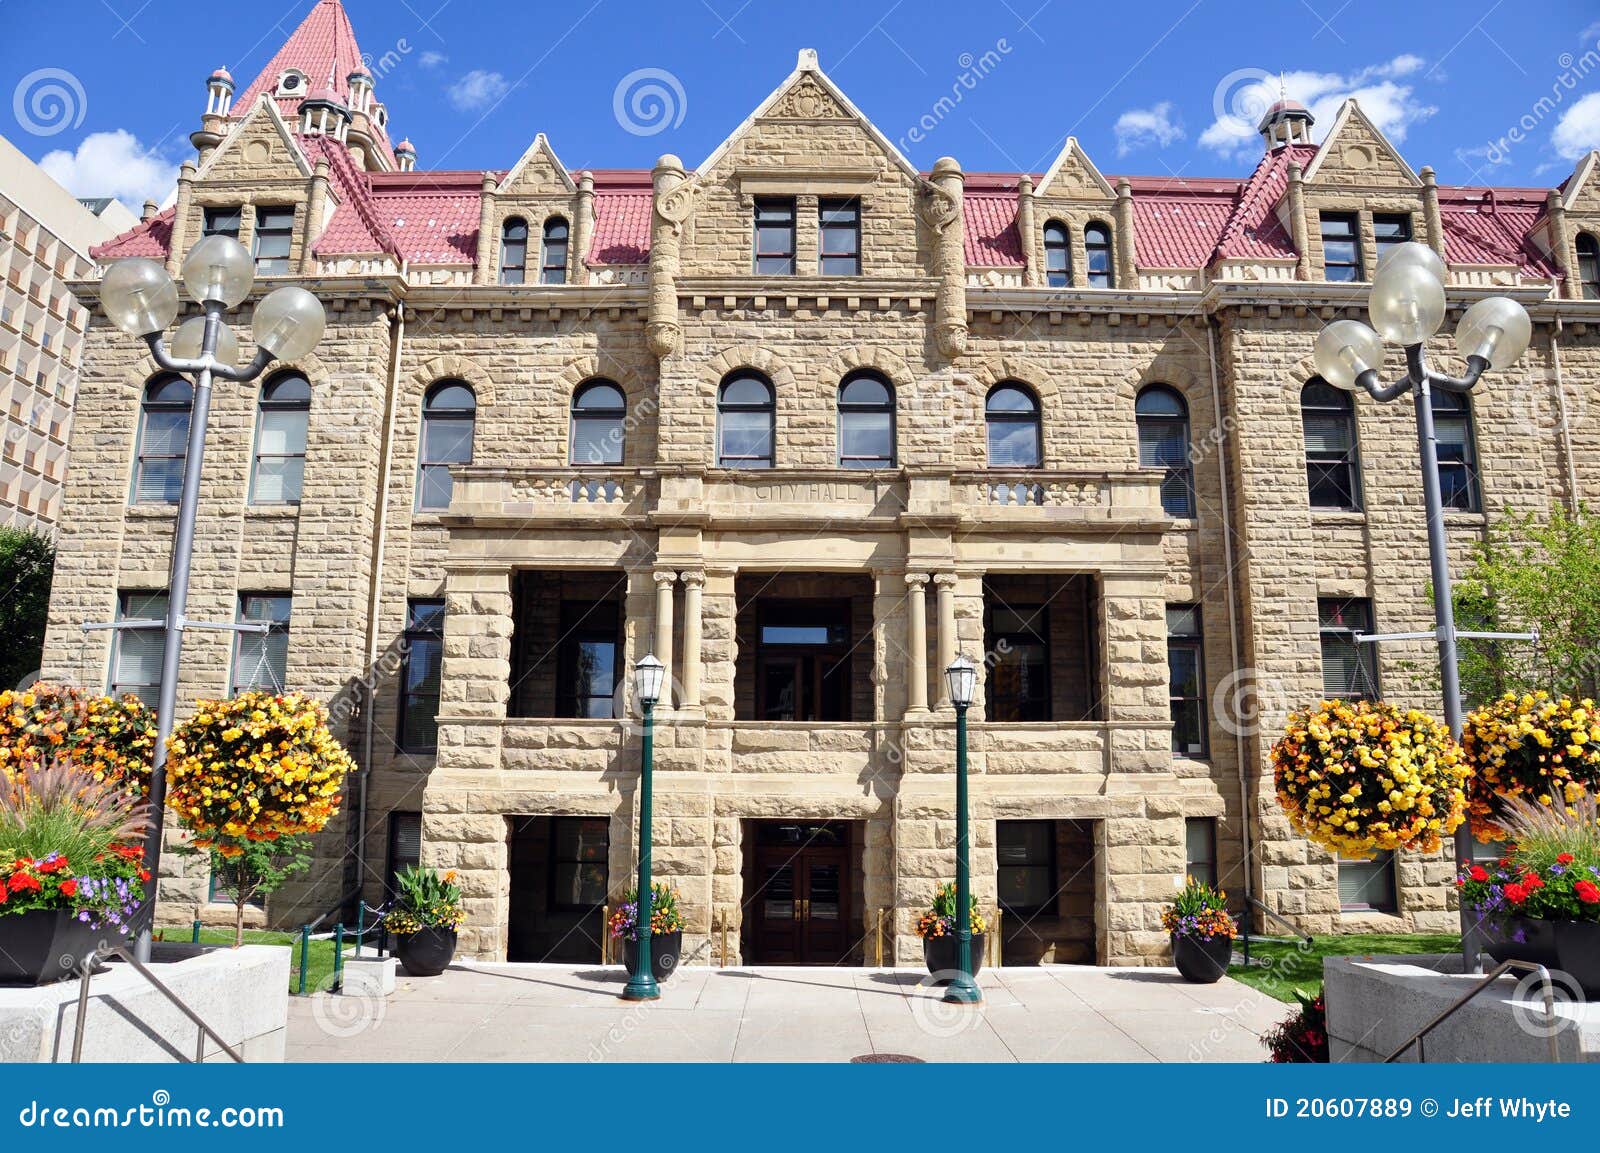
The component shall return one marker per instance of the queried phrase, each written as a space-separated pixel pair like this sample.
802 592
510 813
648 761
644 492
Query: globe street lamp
1407 306
139 298
648 675
961 678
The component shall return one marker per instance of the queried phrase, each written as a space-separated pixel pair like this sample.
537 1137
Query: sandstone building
45 237
807 421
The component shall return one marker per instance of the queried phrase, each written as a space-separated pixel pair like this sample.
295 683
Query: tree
254 869
27 560
1532 572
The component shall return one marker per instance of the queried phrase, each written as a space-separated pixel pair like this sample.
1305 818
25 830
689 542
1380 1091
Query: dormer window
1390 230
775 236
1341 247
1097 255
292 83
1057 255
1589 265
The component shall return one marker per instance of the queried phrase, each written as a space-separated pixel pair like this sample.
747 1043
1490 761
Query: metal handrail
140 968
1490 978
1257 903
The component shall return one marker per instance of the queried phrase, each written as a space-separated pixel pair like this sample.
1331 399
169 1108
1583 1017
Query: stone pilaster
945 586
179 245
582 227
486 271
665 579
942 212
917 644
316 209
1127 264
693 589
1299 230
1432 222
1028 233
674 198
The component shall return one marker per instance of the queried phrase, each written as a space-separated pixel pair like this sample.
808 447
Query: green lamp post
962 678
647 677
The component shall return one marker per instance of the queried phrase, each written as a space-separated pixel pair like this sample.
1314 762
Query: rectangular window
775 237
1186 679
1390 230
1368 886
405 845
588 668
1341 246
1349 669
136 653
839 237
259 659
580 850
216 895
1025 855
419 676
274 230
1200 849
803 661
1018 687
221 222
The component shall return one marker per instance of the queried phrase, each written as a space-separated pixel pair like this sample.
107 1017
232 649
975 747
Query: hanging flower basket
108 740
1540 748
1363 777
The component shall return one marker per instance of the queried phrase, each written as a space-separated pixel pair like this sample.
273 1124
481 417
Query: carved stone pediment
807 100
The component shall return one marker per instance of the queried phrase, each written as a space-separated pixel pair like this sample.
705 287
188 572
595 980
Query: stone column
673 201
1299 230
945 583
178 241
1032 241
316 209
665 579
1432 222
942 212
486 271
917 642
582 227
693 584
1127 262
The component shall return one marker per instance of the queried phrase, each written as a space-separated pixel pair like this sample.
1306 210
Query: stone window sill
152 511
1332 516
272 511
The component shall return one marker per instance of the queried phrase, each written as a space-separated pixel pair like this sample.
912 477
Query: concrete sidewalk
565 1013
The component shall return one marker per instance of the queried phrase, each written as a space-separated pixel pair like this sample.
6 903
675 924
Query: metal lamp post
642 986
1407 306
139 298
961 678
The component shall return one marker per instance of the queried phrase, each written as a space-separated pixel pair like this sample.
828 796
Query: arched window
1163 420
163 440
866 421
1097 253
1333 467
280 459
553 254
1458 456
1057 255
597 411
1589 265
746 413
514 251
448 413
1012 415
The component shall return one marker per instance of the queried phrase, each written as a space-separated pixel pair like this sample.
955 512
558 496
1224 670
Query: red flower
52 866
1516 894
144 874
69 887
1564 859
4 895
1588 892
1478 873
23 883
1533 880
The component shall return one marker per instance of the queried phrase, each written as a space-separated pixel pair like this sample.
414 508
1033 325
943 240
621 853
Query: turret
405 156
1286 122
214 123
323 114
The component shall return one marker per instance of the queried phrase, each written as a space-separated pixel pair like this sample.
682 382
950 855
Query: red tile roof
149 238
622 217
989 208
1493 226
1178 222
1254 231
324 49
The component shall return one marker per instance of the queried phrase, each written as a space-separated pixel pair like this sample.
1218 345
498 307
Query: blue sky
1153 88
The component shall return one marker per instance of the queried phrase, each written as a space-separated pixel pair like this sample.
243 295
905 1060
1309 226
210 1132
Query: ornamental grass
257 767
1534 747
1363 777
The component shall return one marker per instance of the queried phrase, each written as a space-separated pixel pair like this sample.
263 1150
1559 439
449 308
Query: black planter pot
666 950
1522 939
427 952
1200 961
1578 953
45 945
939 954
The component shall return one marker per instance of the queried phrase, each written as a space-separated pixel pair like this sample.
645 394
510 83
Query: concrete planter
666 950
1200 961
939 954
45 945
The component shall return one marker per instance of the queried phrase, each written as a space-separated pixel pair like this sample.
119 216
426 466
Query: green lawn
1280 965
319 957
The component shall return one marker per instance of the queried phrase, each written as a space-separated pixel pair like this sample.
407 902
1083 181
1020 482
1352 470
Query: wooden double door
797 904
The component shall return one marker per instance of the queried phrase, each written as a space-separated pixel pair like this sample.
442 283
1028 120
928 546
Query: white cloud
1385 92
112 164
1578 130
477 89
1591 33
432 59
1142 127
